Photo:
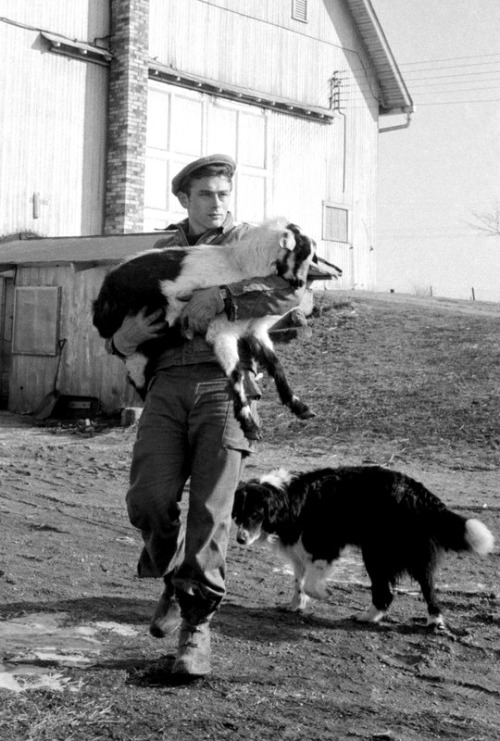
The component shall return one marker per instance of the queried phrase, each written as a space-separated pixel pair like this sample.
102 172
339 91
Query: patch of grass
382 370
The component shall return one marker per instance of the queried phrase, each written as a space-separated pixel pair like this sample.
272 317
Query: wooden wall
52 119
259 45
86 368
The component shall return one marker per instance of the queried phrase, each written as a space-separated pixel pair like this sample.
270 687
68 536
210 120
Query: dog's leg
300 600
426 580
381 590
315 579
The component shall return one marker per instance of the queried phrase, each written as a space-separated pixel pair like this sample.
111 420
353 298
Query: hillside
404 382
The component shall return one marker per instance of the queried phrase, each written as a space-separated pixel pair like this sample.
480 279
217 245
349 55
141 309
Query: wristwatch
226 297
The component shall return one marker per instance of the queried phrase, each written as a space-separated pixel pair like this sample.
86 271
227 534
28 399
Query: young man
188 430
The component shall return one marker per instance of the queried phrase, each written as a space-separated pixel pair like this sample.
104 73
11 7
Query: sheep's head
296 254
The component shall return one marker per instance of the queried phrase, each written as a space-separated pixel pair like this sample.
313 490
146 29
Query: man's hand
201 308
137 328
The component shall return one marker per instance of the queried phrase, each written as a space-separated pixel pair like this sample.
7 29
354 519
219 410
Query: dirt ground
407 383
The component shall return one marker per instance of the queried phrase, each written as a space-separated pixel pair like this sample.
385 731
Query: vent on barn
299 10
335 223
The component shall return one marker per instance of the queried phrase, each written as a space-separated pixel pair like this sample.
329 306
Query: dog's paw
272 538
317 592
436 623
299 604
369 616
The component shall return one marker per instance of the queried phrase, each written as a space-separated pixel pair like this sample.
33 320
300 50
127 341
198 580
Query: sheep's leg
225 346
262 350
136 369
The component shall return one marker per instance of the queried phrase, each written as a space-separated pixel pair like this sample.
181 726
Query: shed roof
83 251
395 95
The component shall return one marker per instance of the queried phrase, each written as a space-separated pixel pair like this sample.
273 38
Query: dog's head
258 505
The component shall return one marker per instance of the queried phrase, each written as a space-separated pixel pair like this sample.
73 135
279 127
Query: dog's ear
273 505
239 498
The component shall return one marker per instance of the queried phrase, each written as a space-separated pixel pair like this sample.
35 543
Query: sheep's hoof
254 434
301 410
308 414
250 428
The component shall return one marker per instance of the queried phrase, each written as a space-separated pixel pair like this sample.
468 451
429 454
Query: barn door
6 319
184 125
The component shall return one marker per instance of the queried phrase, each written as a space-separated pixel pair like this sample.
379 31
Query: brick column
127 117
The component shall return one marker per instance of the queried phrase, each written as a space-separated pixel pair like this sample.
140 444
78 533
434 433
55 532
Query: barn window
36 320
299 10
335 223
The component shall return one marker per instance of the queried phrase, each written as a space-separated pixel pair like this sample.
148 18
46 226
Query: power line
448 59
452 66
459 74
460 102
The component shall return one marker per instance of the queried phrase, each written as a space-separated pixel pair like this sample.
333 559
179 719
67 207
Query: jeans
187 430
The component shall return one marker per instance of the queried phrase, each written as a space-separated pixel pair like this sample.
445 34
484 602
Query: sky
436 174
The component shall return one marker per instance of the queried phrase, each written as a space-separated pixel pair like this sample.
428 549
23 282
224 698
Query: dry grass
418 375
403 381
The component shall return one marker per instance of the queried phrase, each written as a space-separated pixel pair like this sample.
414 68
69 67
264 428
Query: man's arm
136 329
247 299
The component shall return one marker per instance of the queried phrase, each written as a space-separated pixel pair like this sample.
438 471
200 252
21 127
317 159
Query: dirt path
76 659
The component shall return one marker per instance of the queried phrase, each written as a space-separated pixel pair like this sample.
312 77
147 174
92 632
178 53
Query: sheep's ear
287 241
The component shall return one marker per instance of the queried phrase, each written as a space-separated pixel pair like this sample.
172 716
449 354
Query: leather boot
193 652
167 615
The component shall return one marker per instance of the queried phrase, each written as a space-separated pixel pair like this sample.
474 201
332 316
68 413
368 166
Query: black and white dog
166 278
399 525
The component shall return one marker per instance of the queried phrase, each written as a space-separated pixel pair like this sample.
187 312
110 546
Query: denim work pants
187 431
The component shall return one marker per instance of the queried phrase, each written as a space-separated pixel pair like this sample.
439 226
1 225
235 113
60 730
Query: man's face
207 204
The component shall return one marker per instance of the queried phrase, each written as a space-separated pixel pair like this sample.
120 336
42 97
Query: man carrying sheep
188 430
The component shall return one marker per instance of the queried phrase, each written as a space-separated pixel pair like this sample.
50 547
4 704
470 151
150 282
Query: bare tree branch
488 222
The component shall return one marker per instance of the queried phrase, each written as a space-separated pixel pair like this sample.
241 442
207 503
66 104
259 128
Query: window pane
157 132
222 131
251 198
335 224
156 183
252 140
186 131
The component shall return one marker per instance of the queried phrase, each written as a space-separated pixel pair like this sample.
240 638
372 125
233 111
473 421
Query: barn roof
81 251
395 95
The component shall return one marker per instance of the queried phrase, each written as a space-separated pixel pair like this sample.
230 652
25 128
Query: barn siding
85 19
258 46
52 122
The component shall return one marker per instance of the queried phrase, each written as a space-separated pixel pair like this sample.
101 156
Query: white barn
102 102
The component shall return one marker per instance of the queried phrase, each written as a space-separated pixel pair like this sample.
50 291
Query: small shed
47 287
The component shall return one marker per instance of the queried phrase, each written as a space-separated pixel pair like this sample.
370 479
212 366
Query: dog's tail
456 533
479 539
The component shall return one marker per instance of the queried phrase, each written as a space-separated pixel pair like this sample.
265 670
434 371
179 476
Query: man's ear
183 199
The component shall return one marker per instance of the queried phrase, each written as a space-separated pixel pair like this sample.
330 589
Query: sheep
167 277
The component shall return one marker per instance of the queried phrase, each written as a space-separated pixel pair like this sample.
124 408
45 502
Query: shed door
6 320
